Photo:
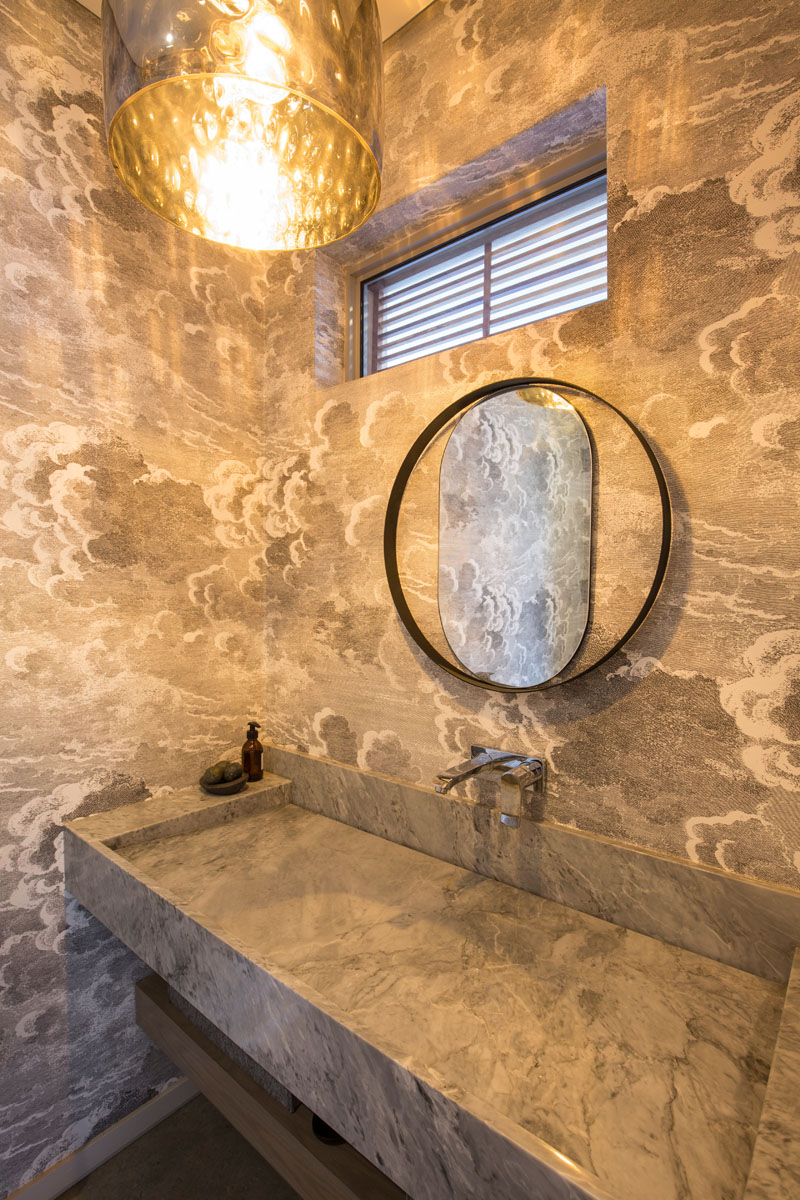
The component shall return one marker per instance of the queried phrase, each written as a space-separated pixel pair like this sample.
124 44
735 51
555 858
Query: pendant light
251 122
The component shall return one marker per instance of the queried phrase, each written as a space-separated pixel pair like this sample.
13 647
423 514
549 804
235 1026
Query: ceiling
394 13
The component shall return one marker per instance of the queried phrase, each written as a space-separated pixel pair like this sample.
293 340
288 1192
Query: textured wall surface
687 741
149 506
132 368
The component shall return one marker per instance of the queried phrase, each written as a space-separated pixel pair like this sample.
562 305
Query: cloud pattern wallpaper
193 496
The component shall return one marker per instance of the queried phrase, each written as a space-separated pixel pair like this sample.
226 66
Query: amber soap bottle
251 754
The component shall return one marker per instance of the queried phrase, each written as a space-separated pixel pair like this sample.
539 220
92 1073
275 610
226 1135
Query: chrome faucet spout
480 760
522 775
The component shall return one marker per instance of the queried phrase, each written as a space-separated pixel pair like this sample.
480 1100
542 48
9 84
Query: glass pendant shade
251 122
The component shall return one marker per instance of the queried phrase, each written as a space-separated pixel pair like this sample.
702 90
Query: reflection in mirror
465 603
417 543
515 526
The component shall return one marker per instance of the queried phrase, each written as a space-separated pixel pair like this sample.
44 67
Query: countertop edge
199 963
775 1165
178 812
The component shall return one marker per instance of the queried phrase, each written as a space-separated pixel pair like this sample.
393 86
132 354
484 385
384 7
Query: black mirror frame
393 515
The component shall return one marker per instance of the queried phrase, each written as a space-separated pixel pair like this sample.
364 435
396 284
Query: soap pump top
251 754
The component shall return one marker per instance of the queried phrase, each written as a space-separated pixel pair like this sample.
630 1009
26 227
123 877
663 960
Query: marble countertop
775 1169
643 1066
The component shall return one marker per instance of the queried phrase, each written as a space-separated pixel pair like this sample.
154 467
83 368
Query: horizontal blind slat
585 234
451 256
551 308
465 284
544 268
446 265
587 211
534 282
470 322
521 304
442 318
545 260
448 343
471 283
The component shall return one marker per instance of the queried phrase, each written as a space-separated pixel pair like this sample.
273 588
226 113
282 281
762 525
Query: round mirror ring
396 499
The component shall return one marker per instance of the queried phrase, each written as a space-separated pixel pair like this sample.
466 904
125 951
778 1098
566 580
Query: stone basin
471 1039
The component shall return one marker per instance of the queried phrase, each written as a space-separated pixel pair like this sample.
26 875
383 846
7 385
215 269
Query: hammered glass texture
249 122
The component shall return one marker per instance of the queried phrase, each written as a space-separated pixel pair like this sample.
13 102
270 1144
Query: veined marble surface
234 1052
394 990
743 922
187 809
775 1169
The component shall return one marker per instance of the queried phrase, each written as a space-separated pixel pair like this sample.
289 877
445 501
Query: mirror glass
527 534
515 536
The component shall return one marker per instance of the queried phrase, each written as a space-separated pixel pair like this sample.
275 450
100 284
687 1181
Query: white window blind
545 259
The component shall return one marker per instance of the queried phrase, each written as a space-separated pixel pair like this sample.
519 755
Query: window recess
547 258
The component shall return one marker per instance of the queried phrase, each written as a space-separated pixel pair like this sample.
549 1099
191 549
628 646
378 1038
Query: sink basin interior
643 1063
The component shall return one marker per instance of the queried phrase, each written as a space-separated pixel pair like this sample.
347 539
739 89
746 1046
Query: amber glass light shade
251 122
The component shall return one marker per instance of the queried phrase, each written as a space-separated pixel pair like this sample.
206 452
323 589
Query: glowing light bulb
234 136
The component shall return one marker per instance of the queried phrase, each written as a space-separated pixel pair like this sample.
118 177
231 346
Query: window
544 259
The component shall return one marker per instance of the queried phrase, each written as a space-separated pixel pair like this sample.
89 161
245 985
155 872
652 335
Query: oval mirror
515 536
527 534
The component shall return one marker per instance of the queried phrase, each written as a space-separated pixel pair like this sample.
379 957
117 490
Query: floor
193 1155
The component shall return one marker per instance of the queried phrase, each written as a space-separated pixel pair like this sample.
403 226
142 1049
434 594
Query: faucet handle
528 774
523 779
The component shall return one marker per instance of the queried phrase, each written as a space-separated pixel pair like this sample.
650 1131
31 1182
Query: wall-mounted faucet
522 776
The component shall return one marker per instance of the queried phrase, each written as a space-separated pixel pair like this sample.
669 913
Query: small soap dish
224 789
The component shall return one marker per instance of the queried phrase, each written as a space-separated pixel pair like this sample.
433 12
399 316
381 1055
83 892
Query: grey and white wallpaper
688 740
133 363
192 521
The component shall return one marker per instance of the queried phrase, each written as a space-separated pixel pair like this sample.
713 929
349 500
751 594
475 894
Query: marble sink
472 1039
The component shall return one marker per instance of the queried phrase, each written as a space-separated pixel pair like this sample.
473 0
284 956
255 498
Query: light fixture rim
318 104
